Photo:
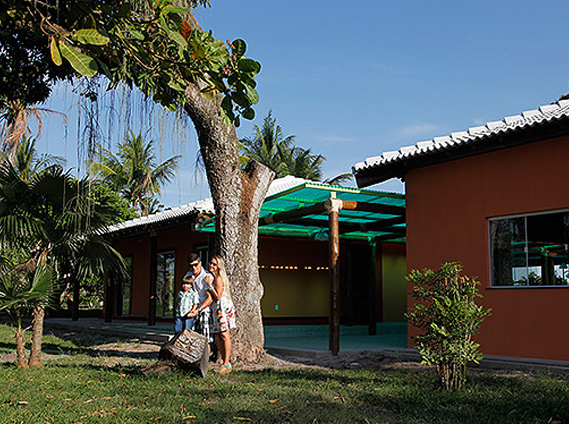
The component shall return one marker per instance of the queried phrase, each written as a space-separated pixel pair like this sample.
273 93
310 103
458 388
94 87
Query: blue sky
352 80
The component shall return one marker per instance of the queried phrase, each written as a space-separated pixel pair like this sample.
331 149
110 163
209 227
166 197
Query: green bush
447 316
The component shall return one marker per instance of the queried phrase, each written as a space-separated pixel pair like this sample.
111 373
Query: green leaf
55 53
90 36
83 64
249 66
171 9
251 94
249 114
239 48
137 35
178 38
227 110
199 51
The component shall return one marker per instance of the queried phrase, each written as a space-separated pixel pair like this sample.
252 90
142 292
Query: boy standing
186 305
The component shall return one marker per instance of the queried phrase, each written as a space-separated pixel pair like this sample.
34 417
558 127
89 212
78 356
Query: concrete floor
280 337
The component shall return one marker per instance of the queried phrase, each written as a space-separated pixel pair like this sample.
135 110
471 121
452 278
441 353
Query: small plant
448 317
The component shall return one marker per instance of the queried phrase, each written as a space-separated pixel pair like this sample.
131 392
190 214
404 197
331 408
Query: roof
296 207
533 125
188 212
301 211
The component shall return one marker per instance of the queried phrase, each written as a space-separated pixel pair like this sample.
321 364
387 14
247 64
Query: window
126 288
531 250
165 284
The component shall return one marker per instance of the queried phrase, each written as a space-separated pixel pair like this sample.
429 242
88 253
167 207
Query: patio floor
282 338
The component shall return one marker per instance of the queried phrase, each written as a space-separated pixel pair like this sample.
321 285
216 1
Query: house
294 259
496 198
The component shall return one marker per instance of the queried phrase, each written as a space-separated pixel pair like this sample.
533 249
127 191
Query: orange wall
448 206
179 239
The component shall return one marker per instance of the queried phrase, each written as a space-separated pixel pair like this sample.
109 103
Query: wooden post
153 277
333 206
109 297
372 317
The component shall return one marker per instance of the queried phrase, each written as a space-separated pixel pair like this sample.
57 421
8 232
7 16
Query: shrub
447 316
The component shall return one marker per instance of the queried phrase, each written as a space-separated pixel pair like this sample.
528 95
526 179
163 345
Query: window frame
490 220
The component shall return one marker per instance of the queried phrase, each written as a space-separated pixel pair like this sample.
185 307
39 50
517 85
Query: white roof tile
203 205
525 119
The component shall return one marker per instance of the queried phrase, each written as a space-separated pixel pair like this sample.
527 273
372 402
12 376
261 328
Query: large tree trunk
237 197
37 335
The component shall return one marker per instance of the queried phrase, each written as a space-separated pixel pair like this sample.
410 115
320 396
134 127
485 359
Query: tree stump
189 350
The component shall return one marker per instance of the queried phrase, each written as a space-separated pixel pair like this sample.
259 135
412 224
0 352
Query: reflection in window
530 250
126 287
165 284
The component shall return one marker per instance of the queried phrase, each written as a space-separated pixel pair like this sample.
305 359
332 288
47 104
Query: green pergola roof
300 212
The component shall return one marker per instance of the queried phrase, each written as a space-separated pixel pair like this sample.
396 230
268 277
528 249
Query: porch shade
301 212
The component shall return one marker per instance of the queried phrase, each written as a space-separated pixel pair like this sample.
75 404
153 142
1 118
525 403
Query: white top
200 285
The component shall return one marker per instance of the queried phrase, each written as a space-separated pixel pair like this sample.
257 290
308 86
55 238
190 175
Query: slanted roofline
546 122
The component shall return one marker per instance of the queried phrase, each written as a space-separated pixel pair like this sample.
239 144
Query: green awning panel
300 212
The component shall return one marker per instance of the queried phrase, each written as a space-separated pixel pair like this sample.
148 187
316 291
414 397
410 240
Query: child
186 305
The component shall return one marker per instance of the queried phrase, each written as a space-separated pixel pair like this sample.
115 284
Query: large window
126 289
165 284
531 250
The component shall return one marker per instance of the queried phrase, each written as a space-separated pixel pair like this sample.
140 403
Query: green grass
85 389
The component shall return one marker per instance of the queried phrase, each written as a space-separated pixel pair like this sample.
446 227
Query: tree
19 296
163 51
279 153
133 172
50 217
268 146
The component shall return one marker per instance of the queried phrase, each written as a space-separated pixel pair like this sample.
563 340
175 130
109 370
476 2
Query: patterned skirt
223 314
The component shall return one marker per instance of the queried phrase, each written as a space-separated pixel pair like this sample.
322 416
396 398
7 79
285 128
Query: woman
223 312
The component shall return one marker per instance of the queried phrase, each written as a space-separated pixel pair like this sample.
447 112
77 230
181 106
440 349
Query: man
202 279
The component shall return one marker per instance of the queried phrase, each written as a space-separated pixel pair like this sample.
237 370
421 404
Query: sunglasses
195 264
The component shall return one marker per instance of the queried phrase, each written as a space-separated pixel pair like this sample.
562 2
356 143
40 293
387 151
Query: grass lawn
85 388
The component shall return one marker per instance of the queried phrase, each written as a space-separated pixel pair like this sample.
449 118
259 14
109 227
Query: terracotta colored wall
448 206
289 293
181 240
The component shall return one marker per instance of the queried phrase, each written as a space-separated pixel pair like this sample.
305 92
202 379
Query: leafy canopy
145 43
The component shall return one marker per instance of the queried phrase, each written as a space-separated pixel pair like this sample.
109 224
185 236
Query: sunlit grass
86 389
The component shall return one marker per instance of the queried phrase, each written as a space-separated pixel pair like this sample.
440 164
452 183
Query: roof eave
511 138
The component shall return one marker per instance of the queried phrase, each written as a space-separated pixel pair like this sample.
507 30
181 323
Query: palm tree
134 171
18 296
27 161
279 153
15 116
268 145
51 217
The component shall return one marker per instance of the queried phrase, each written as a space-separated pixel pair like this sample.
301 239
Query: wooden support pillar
153 277
109 297
372 317
333 207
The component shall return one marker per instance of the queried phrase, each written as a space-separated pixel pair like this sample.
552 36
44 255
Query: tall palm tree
51 217
268 145
279 153
134 171
15 117
301 163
